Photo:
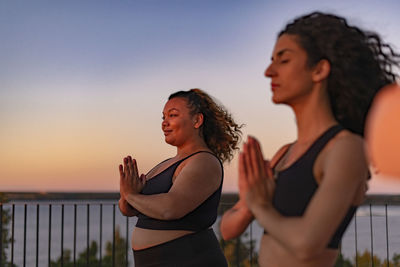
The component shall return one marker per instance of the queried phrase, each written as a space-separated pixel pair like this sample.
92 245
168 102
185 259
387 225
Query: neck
313 117
190 147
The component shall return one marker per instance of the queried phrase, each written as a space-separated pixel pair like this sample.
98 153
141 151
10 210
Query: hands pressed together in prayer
256 182
130 181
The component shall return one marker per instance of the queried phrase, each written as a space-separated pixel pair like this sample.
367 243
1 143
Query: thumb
268 168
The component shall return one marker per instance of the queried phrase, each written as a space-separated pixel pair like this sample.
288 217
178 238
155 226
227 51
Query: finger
126 166
143 179
269 169
259 153
242 167
121 171
254 160
130 165
135 169
247 163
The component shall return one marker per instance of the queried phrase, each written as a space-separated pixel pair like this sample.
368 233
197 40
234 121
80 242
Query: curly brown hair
361 63
219 131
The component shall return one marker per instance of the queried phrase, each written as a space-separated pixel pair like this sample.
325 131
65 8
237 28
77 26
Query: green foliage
342 262
5 220
237 252
120 255
364 260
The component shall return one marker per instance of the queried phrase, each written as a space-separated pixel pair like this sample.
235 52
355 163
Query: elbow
226 232
171 214
226 235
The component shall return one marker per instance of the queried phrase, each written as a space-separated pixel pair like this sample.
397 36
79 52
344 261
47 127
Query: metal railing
84 230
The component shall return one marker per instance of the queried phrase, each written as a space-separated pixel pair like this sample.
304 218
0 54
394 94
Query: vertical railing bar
49 249
387 236
113 243
12 234
24 260
101 232
1 234
37 235
87 234
126 241
74 235
237 250
372 236
62 235
355 237
251 244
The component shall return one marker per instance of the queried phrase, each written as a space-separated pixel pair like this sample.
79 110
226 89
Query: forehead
286 43
178 103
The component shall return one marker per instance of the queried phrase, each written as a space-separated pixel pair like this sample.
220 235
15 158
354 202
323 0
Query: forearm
158 206
300 238
235 221
126 209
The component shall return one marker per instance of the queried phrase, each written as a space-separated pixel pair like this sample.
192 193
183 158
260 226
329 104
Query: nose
164 122
270 71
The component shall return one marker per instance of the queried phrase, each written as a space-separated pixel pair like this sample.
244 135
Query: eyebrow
281 52
171 109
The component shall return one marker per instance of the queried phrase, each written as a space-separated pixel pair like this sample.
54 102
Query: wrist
261 208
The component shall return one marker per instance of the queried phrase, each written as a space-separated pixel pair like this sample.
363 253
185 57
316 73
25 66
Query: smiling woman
176 202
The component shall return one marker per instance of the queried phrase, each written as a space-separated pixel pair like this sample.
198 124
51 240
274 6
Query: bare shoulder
348 142
203 159
204 164
347 152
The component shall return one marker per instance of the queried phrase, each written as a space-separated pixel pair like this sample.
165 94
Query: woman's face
178 124
290 77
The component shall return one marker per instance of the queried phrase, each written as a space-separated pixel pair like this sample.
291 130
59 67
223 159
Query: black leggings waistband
192 250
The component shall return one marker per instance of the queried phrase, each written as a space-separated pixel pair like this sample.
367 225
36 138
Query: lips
274 86
167 132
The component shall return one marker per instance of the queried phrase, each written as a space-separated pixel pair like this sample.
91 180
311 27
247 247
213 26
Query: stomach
272 254
146 238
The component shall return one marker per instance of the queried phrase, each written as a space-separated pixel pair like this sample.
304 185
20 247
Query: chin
169 141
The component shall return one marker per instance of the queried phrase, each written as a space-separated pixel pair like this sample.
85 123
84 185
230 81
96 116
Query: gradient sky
83 83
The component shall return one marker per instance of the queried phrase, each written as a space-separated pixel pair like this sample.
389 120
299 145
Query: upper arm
344 169
198 179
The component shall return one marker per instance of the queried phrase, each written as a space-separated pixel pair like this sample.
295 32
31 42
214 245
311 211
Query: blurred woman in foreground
327 72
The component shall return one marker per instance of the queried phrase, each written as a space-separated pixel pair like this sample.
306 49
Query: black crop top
200 218
296 185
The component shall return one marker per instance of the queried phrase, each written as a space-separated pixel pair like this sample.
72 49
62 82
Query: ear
198 120
321 70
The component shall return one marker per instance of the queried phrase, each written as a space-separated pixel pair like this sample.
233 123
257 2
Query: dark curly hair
361 63
220 132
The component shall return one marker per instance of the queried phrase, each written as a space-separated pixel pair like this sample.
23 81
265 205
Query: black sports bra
296 185
200 218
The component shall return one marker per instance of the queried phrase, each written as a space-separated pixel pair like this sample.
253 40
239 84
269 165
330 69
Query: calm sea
364 224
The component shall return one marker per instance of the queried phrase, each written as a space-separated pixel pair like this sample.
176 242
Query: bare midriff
272 254
145 238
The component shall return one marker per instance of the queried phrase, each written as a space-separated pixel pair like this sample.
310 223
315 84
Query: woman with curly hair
328 72
176 202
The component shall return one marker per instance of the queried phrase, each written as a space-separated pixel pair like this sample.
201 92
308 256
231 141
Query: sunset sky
83 83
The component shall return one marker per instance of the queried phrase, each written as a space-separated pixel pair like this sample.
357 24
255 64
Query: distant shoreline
226 198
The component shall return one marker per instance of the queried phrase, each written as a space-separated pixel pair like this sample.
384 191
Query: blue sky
83 83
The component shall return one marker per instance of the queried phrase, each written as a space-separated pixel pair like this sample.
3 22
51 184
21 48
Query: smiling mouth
167 132
274 86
